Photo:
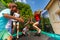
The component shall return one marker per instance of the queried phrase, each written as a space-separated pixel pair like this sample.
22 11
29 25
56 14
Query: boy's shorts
4 34
9 29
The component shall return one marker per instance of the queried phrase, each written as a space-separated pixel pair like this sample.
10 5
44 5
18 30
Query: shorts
9 29
39 21
15 23
4 34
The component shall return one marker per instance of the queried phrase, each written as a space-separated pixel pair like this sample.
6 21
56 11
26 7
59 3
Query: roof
49 4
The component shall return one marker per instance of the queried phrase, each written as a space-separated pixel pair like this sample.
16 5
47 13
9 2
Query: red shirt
37 17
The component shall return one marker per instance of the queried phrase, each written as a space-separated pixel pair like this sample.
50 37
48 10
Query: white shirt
16 15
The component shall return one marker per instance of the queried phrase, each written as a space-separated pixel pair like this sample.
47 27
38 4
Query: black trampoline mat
32 37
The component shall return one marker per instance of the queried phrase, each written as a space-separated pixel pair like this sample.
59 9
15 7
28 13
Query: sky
36 4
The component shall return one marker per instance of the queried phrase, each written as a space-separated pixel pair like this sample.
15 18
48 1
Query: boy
4 18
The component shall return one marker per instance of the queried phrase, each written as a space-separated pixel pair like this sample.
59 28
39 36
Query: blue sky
36 4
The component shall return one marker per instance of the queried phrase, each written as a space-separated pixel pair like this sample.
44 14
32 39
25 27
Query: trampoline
44 36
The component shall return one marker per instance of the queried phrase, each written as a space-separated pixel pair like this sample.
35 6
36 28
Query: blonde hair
11 5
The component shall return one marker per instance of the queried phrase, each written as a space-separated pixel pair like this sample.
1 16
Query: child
35 25
15 22
25 30
9 24
4 18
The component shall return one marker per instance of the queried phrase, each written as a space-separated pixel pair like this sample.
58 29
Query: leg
14 25
35 26
17 29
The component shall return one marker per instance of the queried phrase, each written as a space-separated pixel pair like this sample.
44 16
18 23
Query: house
53 8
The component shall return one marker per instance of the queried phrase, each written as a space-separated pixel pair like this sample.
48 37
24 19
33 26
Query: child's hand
20 20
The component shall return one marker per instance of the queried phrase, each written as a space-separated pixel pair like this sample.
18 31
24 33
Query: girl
35 25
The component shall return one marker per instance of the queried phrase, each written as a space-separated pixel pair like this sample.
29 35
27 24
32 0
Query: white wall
54 19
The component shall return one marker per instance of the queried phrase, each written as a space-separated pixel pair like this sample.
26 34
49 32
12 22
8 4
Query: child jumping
38 19
25 31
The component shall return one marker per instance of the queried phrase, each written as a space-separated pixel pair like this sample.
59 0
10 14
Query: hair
11 13
12 5
35 11
38 12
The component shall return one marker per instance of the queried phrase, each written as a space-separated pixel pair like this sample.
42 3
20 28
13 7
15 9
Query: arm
12 17
27 23
31 21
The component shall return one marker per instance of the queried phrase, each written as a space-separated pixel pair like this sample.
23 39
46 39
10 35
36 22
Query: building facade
52 8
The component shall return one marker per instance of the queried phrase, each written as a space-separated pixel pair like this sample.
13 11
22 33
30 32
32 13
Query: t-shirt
16 15
3 20
37 17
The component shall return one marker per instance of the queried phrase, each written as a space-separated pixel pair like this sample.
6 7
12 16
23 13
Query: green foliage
7 1
25 10
44 21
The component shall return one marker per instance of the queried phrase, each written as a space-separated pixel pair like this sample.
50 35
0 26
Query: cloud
24 1
19 0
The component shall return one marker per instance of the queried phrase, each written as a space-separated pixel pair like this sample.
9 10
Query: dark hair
11 13
14 6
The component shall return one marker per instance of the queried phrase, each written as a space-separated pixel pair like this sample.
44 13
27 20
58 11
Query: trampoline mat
32 37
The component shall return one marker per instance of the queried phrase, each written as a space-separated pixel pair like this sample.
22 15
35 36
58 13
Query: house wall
54 18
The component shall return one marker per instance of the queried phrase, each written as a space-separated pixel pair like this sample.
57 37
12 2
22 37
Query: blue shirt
3 20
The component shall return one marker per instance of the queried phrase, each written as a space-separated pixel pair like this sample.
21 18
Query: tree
7 1
25 10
